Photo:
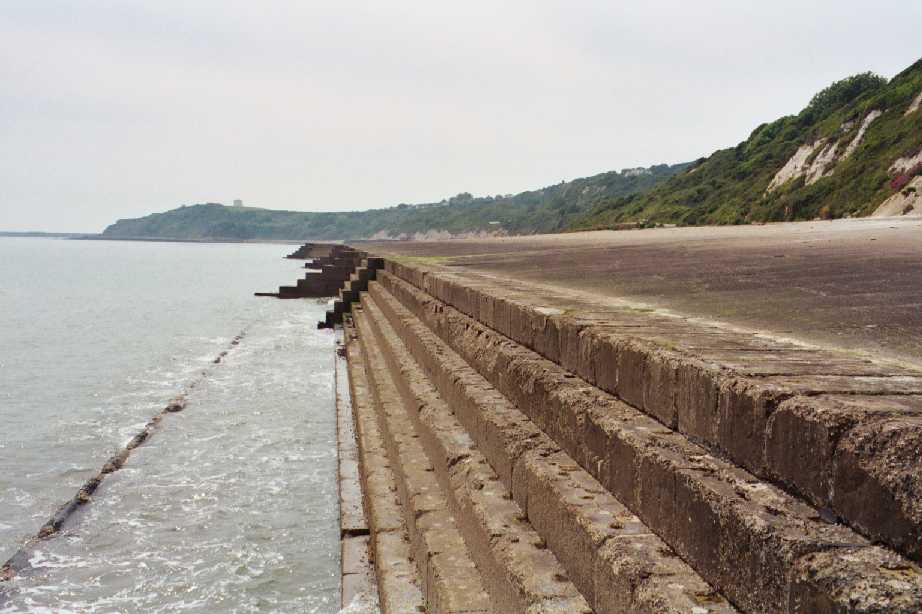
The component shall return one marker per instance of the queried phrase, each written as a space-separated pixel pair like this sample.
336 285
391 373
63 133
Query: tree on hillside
842 92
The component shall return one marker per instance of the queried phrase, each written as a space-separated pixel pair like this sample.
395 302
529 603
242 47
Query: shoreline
171 240
76 236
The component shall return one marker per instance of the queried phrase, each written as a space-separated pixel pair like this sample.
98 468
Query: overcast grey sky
119 108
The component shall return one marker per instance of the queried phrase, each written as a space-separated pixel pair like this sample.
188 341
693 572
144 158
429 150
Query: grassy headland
550 209
838 155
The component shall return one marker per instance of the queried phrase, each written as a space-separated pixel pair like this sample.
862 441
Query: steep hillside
856 148
547 210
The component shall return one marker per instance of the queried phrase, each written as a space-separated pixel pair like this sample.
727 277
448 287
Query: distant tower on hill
238 202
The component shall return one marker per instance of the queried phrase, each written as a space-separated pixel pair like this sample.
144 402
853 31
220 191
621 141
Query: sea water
231 505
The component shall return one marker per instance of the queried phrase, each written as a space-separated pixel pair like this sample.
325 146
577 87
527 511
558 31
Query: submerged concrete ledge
659 462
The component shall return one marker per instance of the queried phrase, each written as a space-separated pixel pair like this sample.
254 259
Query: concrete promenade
852 284
671 420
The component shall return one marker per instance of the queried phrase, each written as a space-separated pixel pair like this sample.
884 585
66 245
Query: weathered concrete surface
451 583
742 535
520 572
335 263
357 572
349 292
399 588
317 251
357 580
850 283
776 447
677 371
614 560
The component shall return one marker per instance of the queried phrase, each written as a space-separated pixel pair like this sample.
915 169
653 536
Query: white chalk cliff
816 160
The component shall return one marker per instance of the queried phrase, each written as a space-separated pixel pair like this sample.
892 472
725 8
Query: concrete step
357 577
357 284
348 296
289 292
841 432
331 319
451 581
373 262
303 252
318 285
612 558
349 293
322 251
399 587
764 549
337 268
363 273
519 572
337 272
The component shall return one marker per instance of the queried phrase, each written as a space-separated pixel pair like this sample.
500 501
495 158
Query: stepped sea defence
663 463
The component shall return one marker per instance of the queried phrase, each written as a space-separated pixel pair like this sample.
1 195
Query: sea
231 504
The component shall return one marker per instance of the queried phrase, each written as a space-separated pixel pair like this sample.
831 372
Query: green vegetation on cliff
857 144
854 146
547 210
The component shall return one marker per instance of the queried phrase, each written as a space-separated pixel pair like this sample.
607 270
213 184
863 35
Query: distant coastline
100 237
45 235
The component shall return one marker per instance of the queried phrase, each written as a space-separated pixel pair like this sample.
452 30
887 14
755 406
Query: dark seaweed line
19 562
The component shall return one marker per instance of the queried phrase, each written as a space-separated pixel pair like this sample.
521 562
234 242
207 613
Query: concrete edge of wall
357 578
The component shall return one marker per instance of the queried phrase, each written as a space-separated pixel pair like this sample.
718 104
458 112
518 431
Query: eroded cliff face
905 164
906 173
435 234
914 106
798 166
818 159
908 201
856 145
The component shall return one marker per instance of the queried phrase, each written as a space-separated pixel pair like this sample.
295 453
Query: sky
116 109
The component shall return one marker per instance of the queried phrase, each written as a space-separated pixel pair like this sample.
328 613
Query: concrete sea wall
521 450
331 266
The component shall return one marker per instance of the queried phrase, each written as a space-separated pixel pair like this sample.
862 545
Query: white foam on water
44 559
230 506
